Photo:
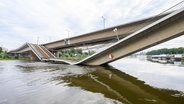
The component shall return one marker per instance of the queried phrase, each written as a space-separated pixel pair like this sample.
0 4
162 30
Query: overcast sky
50 20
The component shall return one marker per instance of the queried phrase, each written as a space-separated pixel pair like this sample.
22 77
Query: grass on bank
5 56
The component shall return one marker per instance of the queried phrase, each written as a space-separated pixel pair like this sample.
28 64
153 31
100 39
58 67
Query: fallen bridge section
41 52
164 29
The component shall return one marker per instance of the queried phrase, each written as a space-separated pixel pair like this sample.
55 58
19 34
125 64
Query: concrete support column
56 53
17 55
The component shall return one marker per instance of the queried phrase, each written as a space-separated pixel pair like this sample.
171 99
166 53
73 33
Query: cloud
25 20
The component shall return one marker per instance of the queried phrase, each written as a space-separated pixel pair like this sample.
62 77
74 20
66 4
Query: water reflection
155 74
121 87
32 83
46 83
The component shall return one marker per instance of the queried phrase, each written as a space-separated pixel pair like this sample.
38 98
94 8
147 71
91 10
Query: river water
126 81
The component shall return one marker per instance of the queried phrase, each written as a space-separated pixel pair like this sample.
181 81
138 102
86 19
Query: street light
103 21
37 40
115 30
67 40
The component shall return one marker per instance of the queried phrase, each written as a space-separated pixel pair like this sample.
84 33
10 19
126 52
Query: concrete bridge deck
97 37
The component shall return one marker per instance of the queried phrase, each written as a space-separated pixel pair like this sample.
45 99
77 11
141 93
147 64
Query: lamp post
67 39
103 18
50 39
37 40
115 30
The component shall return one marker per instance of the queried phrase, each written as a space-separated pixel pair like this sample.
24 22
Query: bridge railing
34 51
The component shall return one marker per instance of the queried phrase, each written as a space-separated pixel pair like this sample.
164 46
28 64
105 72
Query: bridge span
161 29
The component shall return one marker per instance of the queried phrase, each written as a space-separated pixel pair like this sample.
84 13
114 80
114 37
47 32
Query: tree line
179 50
1 49
4 55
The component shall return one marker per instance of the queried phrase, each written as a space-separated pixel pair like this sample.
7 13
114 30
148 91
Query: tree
1 49
73 51
179 50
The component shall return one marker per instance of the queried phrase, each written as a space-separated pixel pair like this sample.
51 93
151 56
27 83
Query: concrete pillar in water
57 54
17 55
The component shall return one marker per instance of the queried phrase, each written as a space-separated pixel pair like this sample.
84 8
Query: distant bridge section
41 52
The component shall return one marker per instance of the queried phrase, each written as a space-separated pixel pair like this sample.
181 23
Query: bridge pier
17 55
55 53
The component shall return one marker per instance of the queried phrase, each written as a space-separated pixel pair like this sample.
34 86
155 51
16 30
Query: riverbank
5 56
